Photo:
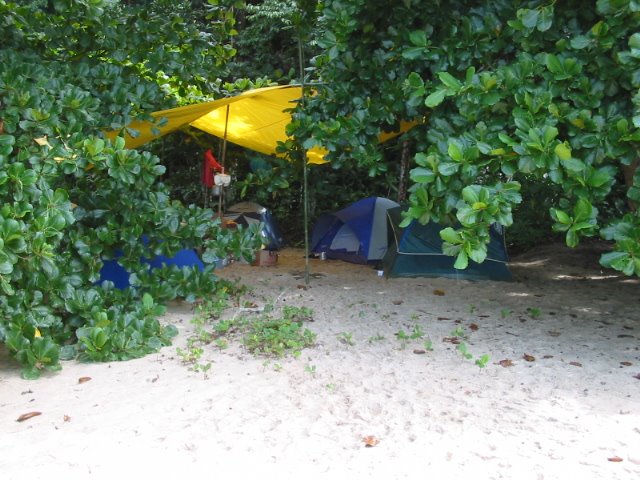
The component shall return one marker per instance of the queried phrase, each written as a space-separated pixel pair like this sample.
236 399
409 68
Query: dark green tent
416 251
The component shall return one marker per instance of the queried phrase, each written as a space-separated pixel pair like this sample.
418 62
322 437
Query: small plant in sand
201 337
276 367
458 332
268 335
505 312
212 309
482 360
534 312
261 332
463 349
191 356
416 334
297 314
204 333
376 338
346 338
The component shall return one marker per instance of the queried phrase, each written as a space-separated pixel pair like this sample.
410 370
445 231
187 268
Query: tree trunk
404 172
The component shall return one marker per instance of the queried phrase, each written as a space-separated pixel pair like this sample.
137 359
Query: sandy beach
558 397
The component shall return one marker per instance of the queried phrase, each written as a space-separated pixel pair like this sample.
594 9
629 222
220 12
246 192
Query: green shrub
71 200
269 336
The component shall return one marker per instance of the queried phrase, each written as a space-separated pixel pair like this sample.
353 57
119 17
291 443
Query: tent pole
224 138
305 180
306 216
224 156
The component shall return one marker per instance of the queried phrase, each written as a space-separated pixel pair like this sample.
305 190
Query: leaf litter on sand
370 441
27 416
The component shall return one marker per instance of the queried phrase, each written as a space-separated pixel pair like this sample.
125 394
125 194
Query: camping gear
265 258
249 213
255 119
416 251
209 168
356 234
114 272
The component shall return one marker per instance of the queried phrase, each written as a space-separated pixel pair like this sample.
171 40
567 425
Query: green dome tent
416 251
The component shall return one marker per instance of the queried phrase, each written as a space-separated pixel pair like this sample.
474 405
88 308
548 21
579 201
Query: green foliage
116 335
463 349
267 41
416 333
626 257
346 338
512 93
376 338
534 312
530 226
267 334
206 312
70 199
581 223
276 336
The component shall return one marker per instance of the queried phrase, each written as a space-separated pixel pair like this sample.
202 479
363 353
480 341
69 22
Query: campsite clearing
557 398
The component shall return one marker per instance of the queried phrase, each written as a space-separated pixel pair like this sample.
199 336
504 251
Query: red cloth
209 166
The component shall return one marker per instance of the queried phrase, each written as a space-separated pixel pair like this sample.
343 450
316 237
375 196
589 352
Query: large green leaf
435 98
422 175
563 151
583 210
450 81
448 169
455 151
462 261
418 38
450 235
472 194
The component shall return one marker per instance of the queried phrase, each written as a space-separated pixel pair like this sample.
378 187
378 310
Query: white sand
436 415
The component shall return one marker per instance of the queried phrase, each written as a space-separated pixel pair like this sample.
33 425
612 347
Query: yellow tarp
256 120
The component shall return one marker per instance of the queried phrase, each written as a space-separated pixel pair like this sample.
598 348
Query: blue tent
116 273
416 251
248 213
357 233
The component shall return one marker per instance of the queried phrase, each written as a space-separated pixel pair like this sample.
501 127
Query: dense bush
512 92
70 199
